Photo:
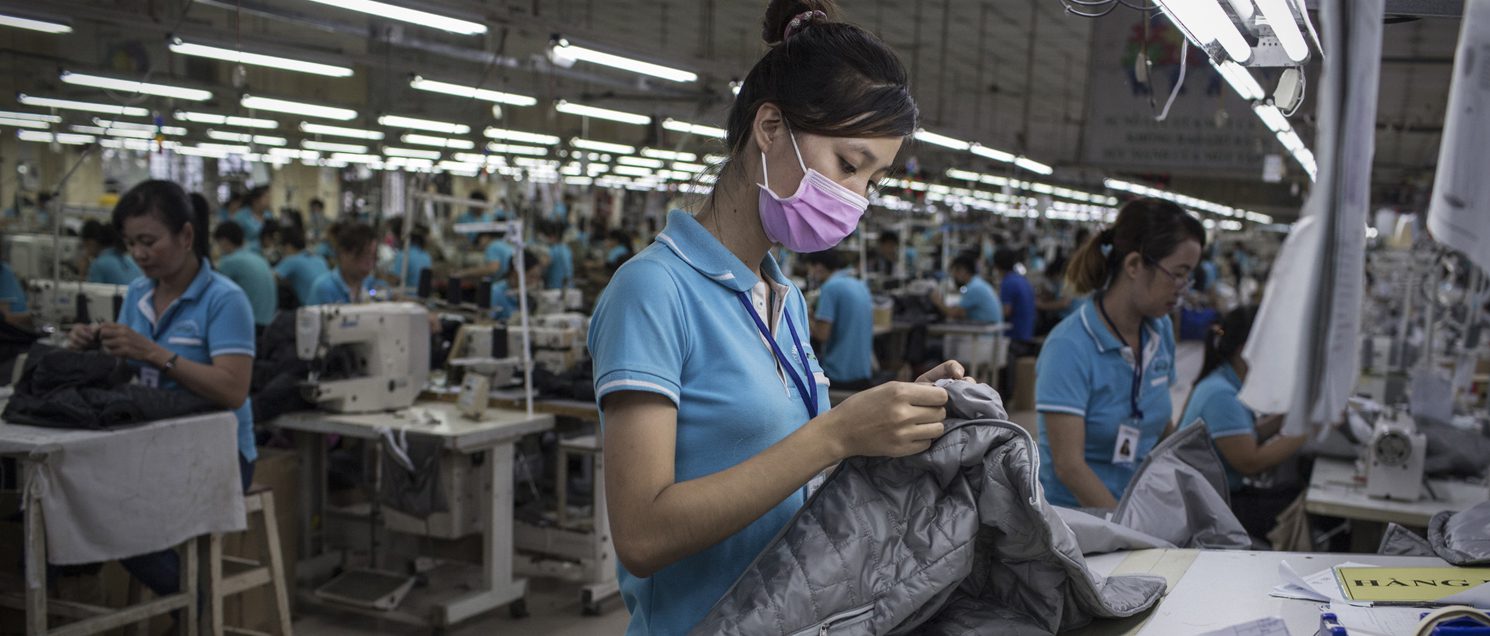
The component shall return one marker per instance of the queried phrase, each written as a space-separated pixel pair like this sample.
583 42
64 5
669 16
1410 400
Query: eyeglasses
1182 281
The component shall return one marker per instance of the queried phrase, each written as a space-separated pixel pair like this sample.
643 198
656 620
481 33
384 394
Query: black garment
14 341
414 492
89 390
278 371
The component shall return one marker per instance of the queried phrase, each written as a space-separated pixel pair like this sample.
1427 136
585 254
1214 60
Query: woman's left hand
123 342
949 370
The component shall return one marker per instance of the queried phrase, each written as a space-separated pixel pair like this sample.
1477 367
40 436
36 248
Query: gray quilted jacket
1461 538
955 540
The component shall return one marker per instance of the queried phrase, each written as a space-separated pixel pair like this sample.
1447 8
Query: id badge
1125 449
150 377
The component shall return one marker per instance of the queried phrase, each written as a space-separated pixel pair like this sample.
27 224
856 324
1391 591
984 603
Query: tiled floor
554 607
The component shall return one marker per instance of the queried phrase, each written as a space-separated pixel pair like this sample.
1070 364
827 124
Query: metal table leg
498 585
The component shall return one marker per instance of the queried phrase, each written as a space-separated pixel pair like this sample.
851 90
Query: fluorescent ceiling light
471 92
295 153
1291 141
520 136
1280 18
668 155
632 171
326 146
602 113
226 120
1033 166
689 167
61 138
438 142
32 24
1205 22
926 136
298 108
1272 117
602 146
227 135
11 114
563 49
134 144
693 129
339 131
583 181
134 87
638 161
1243 9
399 121
352 157
1240 80
411 153
257 59
231 148
412 16
129 125
993 153
23 123
92 107
214 153
120 132
517 149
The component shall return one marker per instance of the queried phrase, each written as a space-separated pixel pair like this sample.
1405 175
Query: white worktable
1213 589
1334 491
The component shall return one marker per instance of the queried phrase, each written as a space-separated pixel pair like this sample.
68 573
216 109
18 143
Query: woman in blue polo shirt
715 414
107 261
352 281
1103 377
182 326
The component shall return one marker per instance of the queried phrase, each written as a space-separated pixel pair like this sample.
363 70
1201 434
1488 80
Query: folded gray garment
1400 541
1179 494
1462 538
1097 535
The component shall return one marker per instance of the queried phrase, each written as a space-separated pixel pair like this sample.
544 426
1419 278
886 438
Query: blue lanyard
1137 391
808 390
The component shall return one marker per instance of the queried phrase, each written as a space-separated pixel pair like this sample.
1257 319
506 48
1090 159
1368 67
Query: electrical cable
1184 59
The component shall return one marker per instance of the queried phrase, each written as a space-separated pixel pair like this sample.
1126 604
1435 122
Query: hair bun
787 17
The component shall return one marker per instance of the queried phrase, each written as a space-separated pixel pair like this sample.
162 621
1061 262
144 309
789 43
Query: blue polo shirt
11 292
560 272
1085 371
499 251
252 274
1016 293
301 271
112 267
212 318
504 301
330 289
981 303
848 355
1214 404
671 323
471 217
251 228
419 260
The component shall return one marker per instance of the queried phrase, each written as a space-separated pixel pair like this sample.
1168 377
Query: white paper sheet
1459 213
1377 621
1270 626
1320 586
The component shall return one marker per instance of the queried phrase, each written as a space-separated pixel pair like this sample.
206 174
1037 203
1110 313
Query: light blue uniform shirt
1085 371
11 292
251 229
252 274
419 260
301 271
671 323
616 254
849 351
330 289
560 272
471 217
1214 403
499 251
112 267
981 303
504 301
212 318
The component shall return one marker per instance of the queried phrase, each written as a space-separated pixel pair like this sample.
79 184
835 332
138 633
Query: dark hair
230 232
889 237
293 237
966 262
106 236
620 236
270 228
530 258
234 196
317 201
169 203
254 194
831 259
1006 259
354 237
551 228
478 195
1152 228
1227 338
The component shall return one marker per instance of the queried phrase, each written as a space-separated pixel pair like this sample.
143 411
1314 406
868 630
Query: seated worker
248 270
182 326
107 263
13 298
1247 447
419 260
497 252
504 293
886 259
297 267
979 303
1018 299
559 273
617 249
352 281
252 215
473 215
843 321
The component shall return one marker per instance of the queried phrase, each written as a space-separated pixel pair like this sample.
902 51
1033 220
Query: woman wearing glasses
1103 378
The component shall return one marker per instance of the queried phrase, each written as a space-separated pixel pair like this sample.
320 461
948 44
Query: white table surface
967 328
1334 491
1214 589
440 419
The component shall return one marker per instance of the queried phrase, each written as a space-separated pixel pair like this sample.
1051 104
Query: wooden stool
229 576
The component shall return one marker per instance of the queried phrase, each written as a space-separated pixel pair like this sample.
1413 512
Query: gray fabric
416 492
954 540
1179 495
1097 535
1399 541
1453 451
1462 538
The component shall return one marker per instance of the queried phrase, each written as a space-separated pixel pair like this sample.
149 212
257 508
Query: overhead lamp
963 175
34 24
226 120
640 162
689 167
326 146
257 59
734 87
144 145
668 155
565 54
1291 141
265 140
926 136
715 160
104 132
1240 80
602 113
632 171
399 121
340 131
295 153
472 92
71 139
602 146
353 157
37 117
1281 18
24 123
229 148
520 136
517 149
412 16
1033 166
134 87
1203 21
411 153
1272 117
692 129
297 108
438 142
214 153
993 153
92 107
130 125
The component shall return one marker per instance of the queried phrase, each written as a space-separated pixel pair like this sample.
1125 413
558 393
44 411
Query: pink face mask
818 217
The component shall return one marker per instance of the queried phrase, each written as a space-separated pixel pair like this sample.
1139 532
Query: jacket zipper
840 619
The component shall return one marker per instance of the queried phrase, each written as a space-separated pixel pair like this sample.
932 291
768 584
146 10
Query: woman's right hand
890 420
83 336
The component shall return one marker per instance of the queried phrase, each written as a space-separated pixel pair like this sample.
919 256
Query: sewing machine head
371 357
56 303
1395 459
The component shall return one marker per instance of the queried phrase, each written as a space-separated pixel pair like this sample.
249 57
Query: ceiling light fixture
1240 80
1204 21
693 129
134 87
412 16
1281 18
438 142
602 146
1033 166
520 136
92 107
638 161
565 54
226 120
41 117
297 108
340 131
993 153
129 125
602 113
61 138
1272 117
33 24
471 92
399 121
926 136
226 135
24 123
517 149
411 153
326 146
669 155
257 59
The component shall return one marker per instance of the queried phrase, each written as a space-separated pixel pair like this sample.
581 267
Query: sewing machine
1395 459
386 346
558 340
56 303
557 301
31 255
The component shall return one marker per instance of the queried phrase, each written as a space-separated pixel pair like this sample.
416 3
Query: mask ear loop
798 150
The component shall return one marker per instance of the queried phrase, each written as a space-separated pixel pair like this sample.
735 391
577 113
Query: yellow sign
1408 585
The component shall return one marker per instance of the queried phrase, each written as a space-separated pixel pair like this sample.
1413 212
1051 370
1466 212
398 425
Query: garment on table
419 261
1018 297
252 227
112 267
1084 370
252 274
1179 494
1214 405
301 271
981 303
952 540
500 252
560 271
672 323
12 295
89 390
844 301
332 289
411 474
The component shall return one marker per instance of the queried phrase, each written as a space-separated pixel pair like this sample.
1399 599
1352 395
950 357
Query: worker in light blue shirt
843 321
297 268
252 215
474 215
979 303
504 293
107 263
249 271
13 298
419 260
559 273
352 280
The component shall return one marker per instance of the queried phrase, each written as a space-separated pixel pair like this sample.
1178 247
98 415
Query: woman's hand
123 342
949 370
82 337
890 420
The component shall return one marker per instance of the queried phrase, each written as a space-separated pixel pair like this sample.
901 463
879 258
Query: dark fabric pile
577 383
14 341
91 390
278 372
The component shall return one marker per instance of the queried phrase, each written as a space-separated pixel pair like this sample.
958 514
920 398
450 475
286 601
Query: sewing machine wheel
1393 449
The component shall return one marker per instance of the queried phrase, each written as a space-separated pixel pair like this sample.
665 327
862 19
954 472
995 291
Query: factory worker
843 320
352 280
504 293
107 262
1103 376
252 216
979 302
182 326
714 408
